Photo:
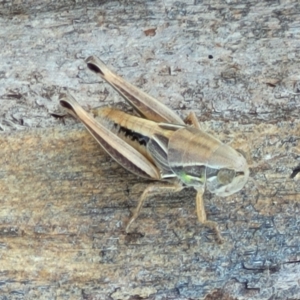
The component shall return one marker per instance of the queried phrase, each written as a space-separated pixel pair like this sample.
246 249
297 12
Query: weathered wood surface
64 203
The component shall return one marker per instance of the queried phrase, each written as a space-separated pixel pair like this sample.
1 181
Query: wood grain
64 206
64 203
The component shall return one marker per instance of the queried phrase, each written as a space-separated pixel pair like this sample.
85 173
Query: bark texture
64 203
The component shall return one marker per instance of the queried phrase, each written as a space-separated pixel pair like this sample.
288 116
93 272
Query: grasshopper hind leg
202 215
150 191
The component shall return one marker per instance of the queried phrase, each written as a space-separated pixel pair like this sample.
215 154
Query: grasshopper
161 146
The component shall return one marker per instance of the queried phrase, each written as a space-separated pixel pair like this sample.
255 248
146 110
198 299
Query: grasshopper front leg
200 208
201 214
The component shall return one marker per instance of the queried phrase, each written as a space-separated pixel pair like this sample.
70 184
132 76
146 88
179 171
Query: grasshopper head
227 171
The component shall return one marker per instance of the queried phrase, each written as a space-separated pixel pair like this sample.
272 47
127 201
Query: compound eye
225 176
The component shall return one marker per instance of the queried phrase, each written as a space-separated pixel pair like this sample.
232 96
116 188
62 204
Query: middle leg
150 191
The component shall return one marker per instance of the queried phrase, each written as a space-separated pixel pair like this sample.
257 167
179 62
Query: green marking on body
185 177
